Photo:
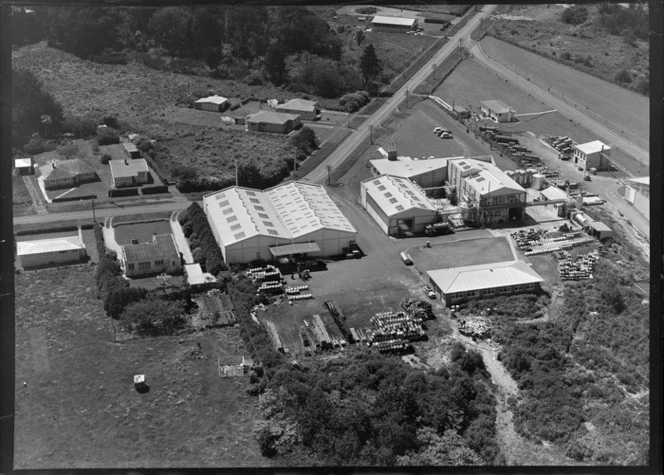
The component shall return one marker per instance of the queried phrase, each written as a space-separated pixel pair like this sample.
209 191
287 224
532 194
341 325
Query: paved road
102 213
564 108
348 146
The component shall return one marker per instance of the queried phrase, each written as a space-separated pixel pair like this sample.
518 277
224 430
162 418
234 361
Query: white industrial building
486 194
497 111
398 205
637 192
427 173
288 219
393 24
593 154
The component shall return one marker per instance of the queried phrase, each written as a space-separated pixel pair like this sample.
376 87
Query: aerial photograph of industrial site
258 236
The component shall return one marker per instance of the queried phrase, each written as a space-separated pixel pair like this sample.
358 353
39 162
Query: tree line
286 45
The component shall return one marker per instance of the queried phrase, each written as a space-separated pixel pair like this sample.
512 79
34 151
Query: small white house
129 172
54 251
212 104
497 111
593 154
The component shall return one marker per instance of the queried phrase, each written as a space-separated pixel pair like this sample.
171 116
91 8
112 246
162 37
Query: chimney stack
126 163
392 152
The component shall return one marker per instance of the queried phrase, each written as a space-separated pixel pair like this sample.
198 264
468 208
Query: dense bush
105 158
81 127
354 101
212 260
108 137
574 15
304 142
154 316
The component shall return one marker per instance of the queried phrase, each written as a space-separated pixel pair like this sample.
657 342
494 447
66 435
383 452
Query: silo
538 181
529 175
510 174
520 177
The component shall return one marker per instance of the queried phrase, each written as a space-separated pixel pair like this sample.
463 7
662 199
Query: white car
438 130
429 291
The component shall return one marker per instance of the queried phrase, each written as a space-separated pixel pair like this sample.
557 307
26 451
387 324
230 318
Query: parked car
438 130
406 259
429 291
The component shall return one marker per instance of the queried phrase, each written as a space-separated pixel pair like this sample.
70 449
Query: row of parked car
442 133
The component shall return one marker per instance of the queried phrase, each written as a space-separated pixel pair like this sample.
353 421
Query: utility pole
371 133
329 178
406 97
236 173
94 218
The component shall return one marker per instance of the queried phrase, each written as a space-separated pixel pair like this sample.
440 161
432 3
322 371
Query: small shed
460 112
25 166
213 103
139 383
599 230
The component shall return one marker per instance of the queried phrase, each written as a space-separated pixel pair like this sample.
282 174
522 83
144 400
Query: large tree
275 63
369 63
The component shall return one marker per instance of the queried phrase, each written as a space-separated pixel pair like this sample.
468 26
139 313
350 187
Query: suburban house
497 111
212 103
131 150
25 166
288 219
637 192
54 251
149 258
486 194
460 284
397 205
393 24
129 172
593 154
307 110
268 121
67 173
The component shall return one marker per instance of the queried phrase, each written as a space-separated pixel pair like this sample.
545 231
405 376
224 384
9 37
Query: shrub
354 101
108 137
623 77
366 10
105 158
82 127
575 15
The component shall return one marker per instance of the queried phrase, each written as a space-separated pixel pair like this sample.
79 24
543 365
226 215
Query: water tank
510 174
520 176
538 181
529 174
593 171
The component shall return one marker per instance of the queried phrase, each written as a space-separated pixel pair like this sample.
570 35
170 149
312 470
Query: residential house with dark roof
67 173
307 110
149 258
268 121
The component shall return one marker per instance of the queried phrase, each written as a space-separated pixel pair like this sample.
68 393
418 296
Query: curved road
564 108
348 146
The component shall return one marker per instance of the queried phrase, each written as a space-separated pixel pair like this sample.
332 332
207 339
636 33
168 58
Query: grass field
576 87
539 28
141 231
21 198
462 253
78 408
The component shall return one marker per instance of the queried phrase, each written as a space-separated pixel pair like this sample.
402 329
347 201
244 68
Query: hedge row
150 190
46 230
123 192
204 247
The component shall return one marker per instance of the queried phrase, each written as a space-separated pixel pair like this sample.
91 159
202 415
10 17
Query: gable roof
496 106
554 193
283 212
298 104
484 276
212 99
41 246
395 195
592 147
485 177
162 247
65 169
127 168
406 167
271 117
391 20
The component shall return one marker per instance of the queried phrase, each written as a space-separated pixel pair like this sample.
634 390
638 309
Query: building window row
143 265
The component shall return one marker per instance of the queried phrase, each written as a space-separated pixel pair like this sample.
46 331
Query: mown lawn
141 231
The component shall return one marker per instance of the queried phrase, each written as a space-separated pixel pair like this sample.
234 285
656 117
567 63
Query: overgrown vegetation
203 246
371 409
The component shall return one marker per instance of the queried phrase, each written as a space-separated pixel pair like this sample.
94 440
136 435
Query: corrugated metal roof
407 168
271 117
485 177
554 193
298 104
592 147
287 211
394 194
599 226
42 246
128 167
391 20
496 106
484 276
212 99
288 249
162 247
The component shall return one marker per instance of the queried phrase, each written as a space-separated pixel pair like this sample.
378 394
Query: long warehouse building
288 219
